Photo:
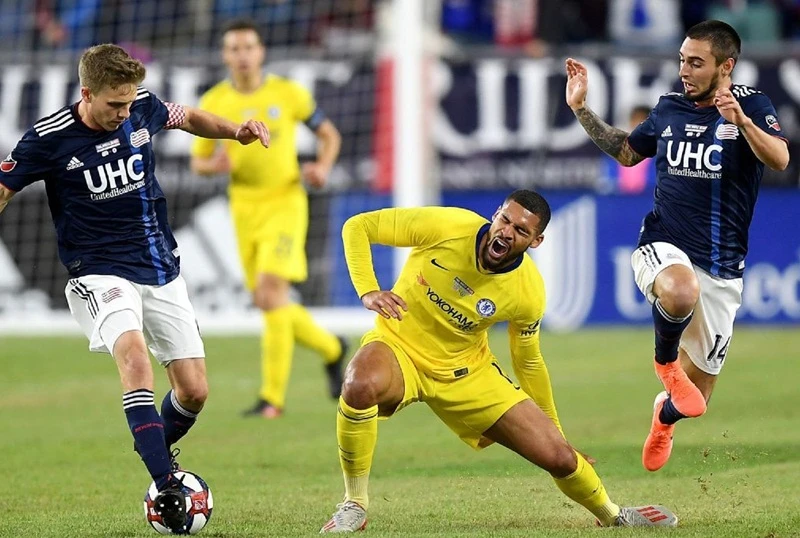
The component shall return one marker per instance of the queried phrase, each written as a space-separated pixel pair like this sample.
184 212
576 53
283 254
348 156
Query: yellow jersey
452 301
280 104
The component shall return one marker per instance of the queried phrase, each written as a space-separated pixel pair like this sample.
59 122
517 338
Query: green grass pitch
67 468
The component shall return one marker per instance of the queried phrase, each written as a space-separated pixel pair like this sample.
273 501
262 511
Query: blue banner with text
585 258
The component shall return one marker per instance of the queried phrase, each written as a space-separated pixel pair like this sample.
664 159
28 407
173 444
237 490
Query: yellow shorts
271 232
469 405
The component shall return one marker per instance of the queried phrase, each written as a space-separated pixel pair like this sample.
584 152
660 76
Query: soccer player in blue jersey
710 144
125 290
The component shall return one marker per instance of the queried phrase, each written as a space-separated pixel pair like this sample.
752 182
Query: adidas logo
666 132
74 163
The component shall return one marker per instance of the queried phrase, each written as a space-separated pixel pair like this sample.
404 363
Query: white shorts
106 306
709 334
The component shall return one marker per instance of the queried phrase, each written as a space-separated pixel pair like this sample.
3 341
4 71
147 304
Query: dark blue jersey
708 178
109 211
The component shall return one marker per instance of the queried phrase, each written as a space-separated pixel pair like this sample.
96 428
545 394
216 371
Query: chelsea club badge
485 308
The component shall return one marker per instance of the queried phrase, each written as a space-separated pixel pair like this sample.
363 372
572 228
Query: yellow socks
585 488
277 347
281 327
311 335
357 434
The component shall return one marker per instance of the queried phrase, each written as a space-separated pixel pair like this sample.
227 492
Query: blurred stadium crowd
533 25
537 24
167 24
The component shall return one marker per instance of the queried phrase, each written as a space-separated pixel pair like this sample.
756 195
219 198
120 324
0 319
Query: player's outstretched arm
330 142
5 195
208 125
611 140
770 150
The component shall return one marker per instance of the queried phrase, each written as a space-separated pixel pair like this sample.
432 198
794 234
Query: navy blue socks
177 419
669 415
148 434
668 331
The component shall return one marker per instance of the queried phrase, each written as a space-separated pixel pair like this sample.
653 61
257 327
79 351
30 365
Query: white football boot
646 516
349 517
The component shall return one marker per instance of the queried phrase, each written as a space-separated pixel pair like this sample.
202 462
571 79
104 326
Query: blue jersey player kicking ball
125 289
710 144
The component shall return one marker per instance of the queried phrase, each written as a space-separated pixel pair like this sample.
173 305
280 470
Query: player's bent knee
362 391
266 301
271 292
193 395
678 292
562 461
190 382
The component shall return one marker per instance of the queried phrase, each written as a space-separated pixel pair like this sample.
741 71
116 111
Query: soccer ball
199 503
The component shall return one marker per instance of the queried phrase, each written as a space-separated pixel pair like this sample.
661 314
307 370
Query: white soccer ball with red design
199 504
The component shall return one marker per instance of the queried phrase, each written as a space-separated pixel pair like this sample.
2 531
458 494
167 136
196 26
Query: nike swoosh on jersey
433 261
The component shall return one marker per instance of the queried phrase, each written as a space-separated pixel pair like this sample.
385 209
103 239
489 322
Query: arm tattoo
610 139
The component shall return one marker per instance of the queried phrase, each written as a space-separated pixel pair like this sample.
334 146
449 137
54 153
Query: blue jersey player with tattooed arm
125 290
710 144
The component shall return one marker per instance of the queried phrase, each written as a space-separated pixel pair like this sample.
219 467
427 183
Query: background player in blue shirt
96 159
710 144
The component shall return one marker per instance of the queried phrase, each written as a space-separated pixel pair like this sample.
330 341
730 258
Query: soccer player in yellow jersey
430 344
269 205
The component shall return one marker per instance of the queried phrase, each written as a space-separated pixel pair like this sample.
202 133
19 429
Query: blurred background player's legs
271 233
285 323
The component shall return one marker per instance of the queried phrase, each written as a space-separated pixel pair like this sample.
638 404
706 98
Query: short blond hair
109 66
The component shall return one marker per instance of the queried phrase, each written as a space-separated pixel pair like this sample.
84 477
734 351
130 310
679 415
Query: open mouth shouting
498 248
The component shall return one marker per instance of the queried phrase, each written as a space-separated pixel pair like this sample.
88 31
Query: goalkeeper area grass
68 468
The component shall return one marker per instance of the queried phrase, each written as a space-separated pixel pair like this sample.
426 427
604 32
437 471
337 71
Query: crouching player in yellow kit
269 205
430 344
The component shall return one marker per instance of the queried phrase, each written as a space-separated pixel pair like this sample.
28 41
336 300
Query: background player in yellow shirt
269 204
430 344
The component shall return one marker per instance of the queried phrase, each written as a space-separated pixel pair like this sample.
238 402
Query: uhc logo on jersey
113 179
693 159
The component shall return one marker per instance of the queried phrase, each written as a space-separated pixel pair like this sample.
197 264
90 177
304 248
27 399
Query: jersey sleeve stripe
55 118
55 128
